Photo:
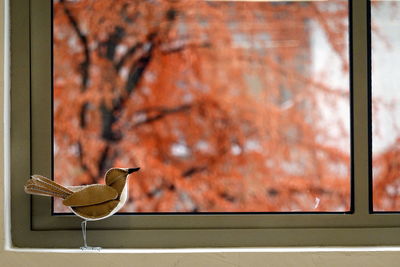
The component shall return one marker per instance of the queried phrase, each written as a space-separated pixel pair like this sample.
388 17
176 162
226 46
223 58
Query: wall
32 259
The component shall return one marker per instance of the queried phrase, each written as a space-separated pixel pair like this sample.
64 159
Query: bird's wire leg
85 246
83 225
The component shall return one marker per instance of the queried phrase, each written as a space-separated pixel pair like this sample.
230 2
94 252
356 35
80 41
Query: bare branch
129 53
193 170
180 45
84 66
161 114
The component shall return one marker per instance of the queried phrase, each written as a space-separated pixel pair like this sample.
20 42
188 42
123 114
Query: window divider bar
359 64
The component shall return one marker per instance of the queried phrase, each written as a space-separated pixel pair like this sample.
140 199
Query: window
265 134
31 153
385 106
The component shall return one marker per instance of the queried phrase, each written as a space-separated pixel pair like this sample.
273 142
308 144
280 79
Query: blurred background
385 56
227 106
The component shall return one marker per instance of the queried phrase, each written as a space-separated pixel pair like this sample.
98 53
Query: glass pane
227 106
385 38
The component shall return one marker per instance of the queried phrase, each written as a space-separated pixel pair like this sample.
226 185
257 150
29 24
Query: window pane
235 106
385 22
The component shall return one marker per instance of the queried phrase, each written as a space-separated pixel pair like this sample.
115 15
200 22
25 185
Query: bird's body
89 202
102 210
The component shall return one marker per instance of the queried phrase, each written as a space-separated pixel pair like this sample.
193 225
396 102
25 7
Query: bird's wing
76 188
91 195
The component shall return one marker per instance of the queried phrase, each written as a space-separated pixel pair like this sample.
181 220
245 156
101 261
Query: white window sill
215 250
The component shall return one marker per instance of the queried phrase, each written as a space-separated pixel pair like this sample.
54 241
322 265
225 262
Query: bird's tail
39 185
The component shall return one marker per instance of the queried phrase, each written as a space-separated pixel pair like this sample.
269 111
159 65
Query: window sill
216 250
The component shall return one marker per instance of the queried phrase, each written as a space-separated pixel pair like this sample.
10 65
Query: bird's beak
131 170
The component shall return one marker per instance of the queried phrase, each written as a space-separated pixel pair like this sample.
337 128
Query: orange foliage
385 109
213 100
386 183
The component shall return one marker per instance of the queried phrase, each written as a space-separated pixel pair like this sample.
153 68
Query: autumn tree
215 101
385 104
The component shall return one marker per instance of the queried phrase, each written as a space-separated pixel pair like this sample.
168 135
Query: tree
211 99
385 108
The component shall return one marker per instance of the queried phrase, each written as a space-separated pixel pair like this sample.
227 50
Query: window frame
34 226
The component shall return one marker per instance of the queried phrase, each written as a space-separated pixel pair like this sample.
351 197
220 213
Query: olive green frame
34 226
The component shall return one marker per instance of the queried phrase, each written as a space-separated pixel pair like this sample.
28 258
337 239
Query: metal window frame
34 226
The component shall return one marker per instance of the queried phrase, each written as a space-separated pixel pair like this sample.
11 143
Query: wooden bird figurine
89 202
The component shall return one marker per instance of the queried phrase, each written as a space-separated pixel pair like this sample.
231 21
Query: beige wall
13 258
